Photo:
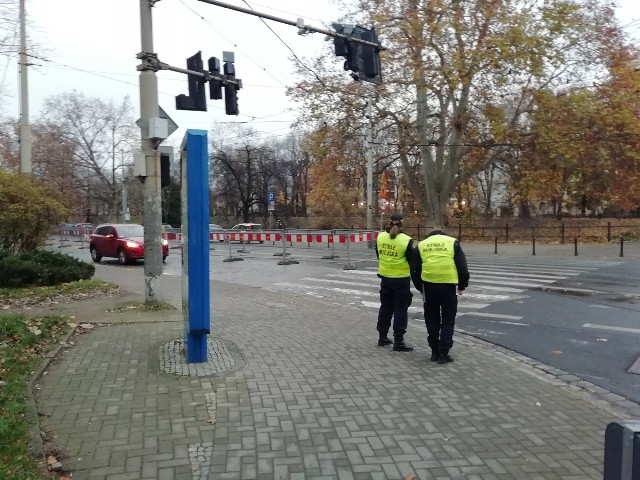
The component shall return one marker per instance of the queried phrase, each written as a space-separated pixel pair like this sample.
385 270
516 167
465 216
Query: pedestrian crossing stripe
490 283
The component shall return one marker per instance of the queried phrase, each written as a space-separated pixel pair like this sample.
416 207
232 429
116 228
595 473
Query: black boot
445 358
434 355
384 340
399 345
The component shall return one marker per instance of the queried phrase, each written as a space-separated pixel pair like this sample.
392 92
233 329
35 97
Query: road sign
272 206
173 126
383 204
271 197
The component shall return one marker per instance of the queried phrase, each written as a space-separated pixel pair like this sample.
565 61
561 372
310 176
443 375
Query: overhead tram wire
315 74
285 11
264 69
105 75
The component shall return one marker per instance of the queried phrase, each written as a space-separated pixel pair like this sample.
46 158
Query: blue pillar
195 250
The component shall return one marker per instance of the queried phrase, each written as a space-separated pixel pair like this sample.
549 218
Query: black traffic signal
165 170
196 100
231 89
370 55
166 159
215 86
363 60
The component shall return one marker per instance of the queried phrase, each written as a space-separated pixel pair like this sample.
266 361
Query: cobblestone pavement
308 395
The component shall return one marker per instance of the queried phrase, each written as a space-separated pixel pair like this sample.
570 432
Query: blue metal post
195 224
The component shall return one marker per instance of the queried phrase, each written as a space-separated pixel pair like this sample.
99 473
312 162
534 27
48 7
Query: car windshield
131 231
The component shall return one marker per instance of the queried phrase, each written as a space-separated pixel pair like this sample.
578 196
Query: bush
38 268
28 212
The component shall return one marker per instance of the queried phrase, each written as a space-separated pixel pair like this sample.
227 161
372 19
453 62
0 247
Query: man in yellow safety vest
393 249
439 266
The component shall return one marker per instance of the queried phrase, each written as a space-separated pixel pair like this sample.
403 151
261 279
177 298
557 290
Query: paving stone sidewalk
300 391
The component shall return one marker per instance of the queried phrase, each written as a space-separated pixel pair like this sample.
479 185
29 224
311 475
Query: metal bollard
622 246
575 246
495 245
534 245
622 451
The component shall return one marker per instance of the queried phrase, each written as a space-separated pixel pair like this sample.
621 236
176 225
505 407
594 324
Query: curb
596 393
37 443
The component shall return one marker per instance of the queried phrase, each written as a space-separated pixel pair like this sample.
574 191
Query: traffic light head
196 100
361 59
231 89
215 86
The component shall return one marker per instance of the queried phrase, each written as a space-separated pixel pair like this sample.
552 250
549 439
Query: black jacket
458 257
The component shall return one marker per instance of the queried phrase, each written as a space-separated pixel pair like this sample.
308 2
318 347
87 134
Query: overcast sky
93 44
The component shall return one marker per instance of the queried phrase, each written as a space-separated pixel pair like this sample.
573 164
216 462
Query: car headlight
165 242
133 245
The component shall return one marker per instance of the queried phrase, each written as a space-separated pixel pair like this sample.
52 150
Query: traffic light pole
299 23
152 215
369 154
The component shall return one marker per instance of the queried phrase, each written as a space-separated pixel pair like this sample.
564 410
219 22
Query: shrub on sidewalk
37 268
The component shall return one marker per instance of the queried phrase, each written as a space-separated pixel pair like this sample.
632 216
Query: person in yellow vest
393 249
439 267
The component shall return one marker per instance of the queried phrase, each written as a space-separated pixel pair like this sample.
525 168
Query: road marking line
611 327
504 282
488 271
420 310
494 315
506 276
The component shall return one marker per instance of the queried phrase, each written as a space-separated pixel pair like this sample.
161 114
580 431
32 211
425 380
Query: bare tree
101 133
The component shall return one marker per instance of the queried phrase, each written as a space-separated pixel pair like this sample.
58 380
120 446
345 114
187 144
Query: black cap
396 217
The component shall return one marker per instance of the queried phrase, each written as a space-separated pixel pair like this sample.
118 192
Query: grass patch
143 307
73 288
23 344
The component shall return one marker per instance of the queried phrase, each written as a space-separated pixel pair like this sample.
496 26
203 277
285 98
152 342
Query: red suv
124 242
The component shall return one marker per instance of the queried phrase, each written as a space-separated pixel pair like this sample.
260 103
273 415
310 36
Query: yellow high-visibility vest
437 253
391 252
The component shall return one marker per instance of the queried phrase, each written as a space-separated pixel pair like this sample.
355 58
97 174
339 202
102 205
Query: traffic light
231 89
166 159
363 60
215 86
165 170
196 100
370 55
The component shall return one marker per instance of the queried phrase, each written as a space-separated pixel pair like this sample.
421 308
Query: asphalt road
581 315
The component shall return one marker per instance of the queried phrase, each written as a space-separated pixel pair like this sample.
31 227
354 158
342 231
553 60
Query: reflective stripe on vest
391 252
437 253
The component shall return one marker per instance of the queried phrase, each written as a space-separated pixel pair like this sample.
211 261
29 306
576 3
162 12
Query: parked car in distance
215 228
166 227
247 228
122 241
84 226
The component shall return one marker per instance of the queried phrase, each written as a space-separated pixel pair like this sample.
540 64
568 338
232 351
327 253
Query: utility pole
25 126
152 215
369 154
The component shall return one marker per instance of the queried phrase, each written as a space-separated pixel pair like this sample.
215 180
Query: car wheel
122 257
94 254
261 242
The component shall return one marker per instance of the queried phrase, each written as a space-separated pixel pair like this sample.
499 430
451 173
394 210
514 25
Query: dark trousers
440 307
395 298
